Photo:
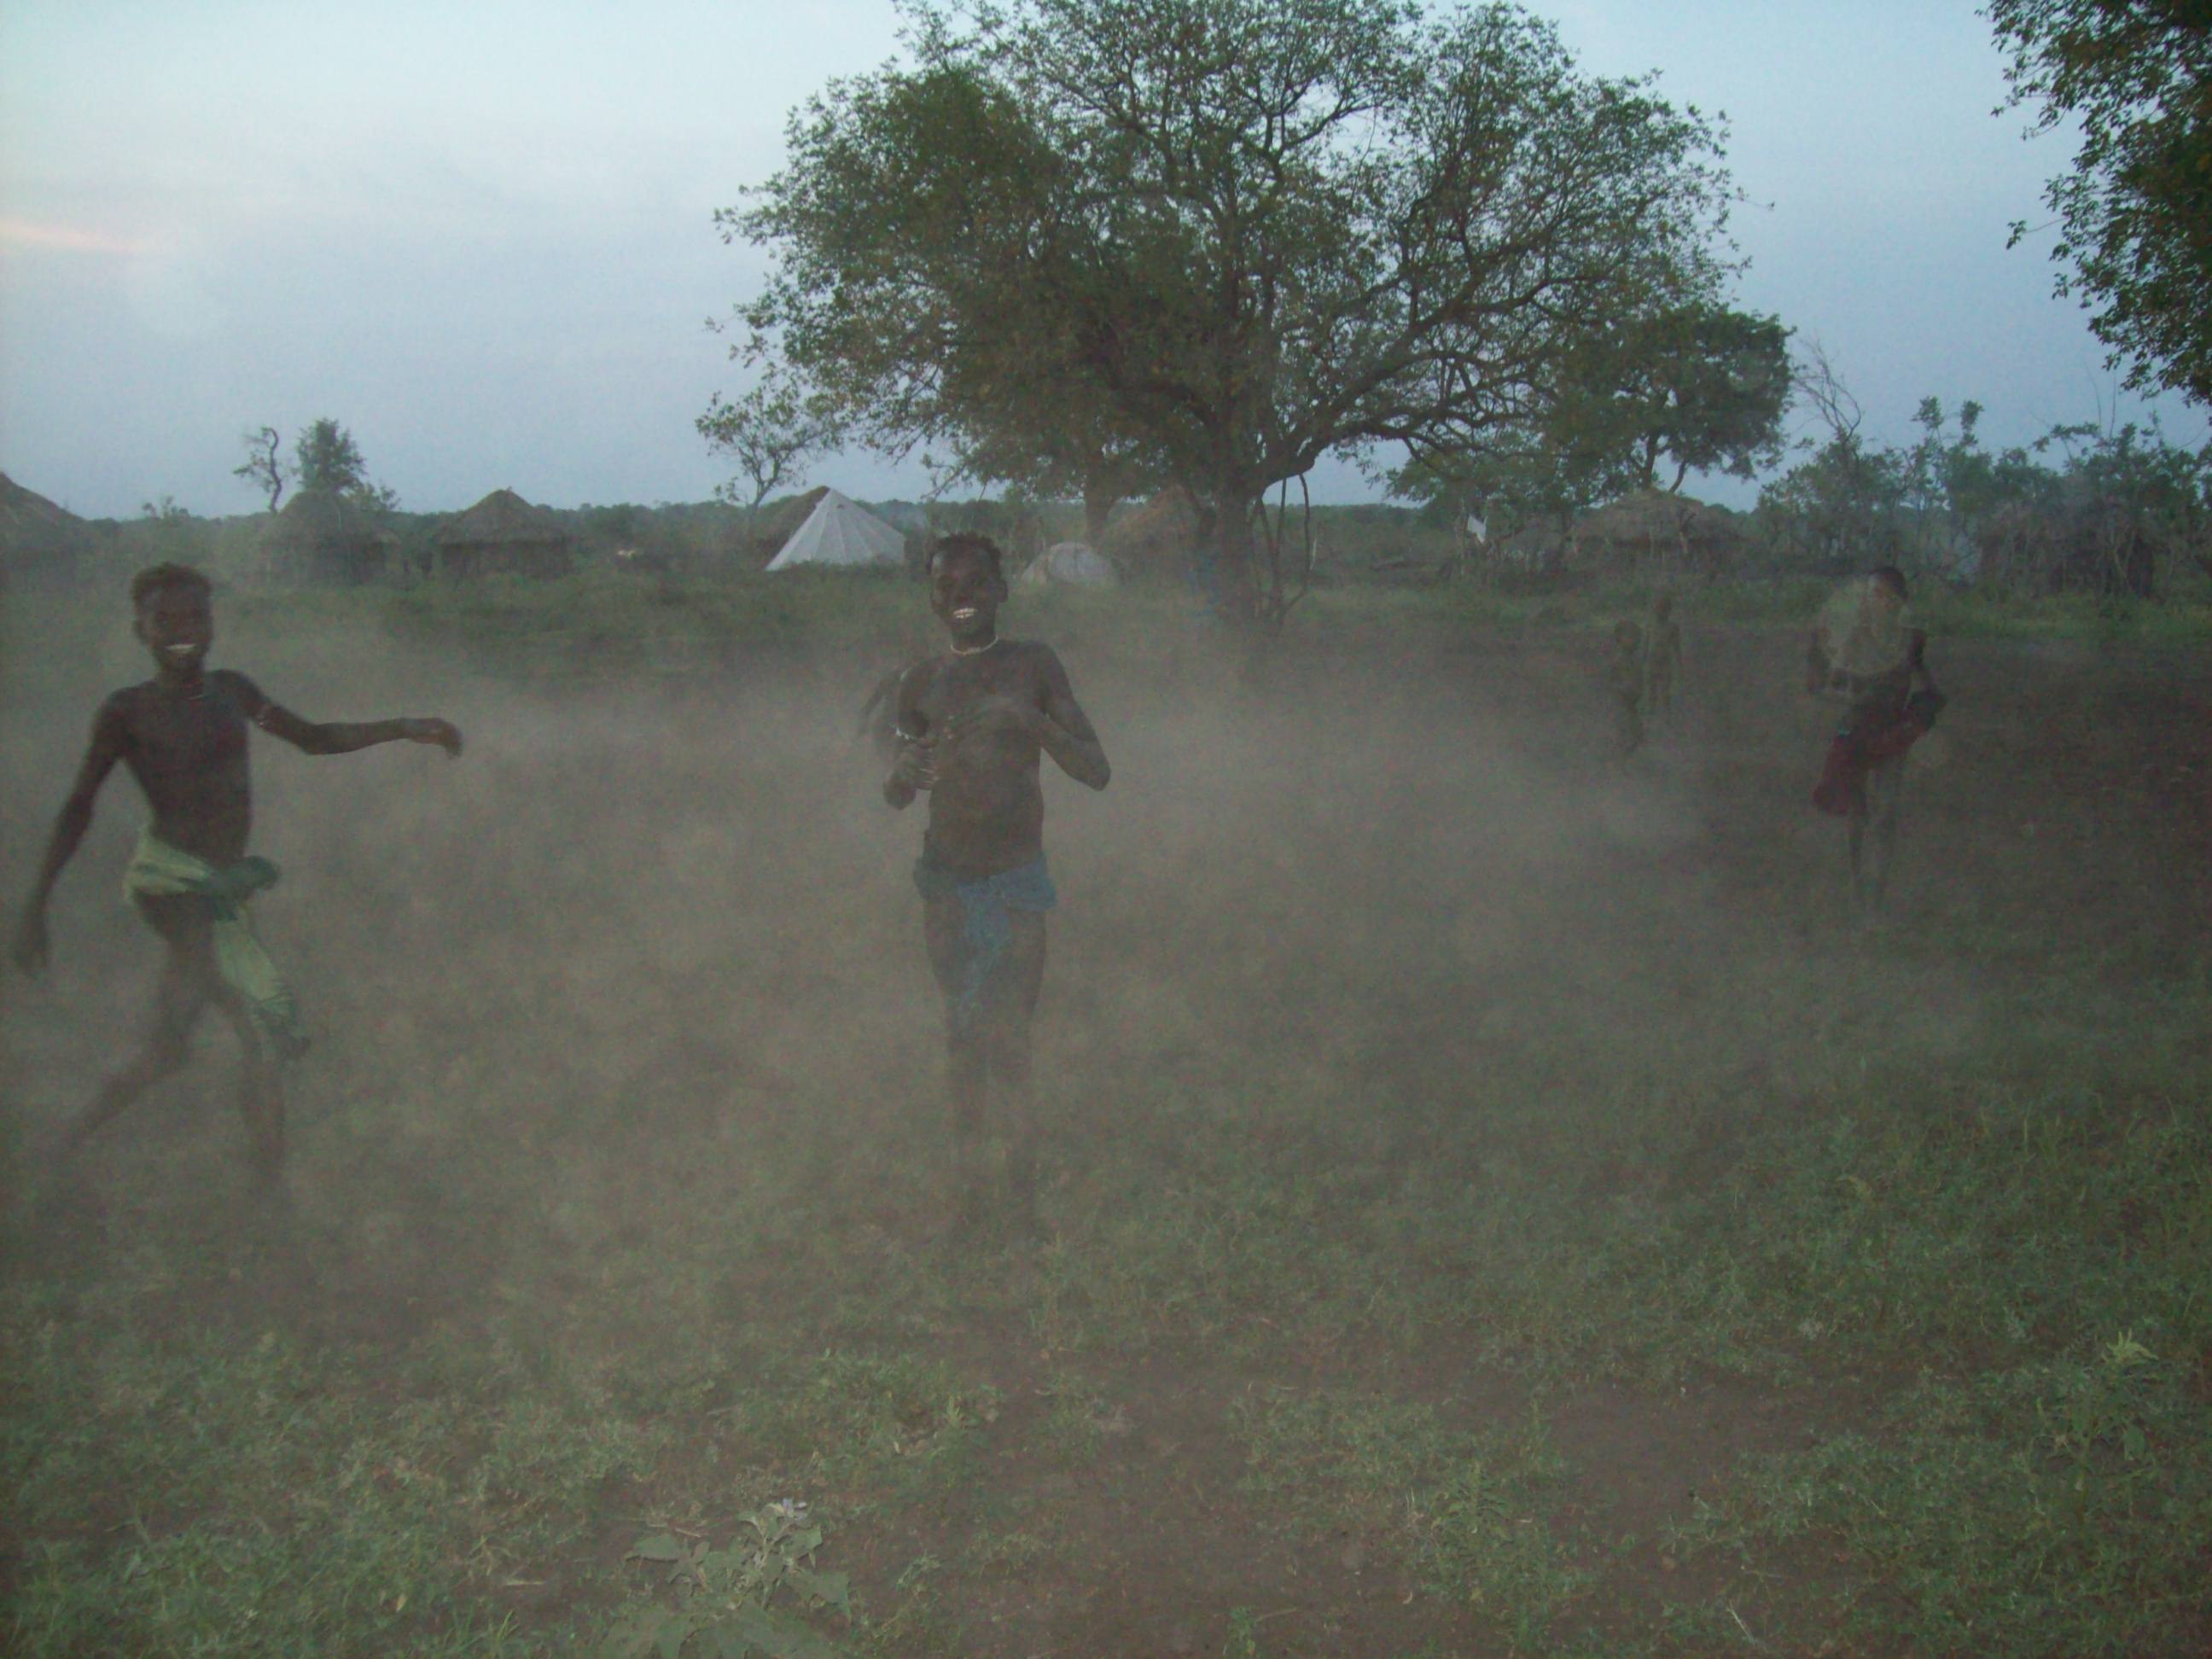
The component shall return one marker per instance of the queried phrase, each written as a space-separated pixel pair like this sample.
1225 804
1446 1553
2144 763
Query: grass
1343 1244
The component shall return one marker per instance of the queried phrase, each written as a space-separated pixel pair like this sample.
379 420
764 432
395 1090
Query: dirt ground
649 931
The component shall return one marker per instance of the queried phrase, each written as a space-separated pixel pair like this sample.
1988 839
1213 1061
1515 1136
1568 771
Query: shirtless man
183 736
971 724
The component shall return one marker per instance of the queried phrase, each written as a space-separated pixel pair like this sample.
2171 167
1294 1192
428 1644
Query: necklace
975 650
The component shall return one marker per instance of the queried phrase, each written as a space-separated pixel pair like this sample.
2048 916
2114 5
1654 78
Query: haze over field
482 238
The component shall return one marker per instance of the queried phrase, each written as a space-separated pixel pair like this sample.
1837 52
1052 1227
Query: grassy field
1497 1202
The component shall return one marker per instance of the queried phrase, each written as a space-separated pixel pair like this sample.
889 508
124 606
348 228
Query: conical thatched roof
38 537
503 518
504 535
1159 535
320 536
321 518
1653 518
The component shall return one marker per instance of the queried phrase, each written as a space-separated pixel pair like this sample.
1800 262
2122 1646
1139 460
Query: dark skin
183 736
973 726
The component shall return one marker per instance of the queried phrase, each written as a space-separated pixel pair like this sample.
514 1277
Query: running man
972 726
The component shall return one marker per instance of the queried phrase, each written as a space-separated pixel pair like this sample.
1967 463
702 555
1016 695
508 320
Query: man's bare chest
184 736
963 684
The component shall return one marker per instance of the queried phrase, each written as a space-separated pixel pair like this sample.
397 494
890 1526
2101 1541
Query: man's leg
178 999
260 1090
1009 1017
943 935
1885 789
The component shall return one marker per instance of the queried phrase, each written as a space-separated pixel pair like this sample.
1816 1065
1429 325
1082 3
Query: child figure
182 734
971 727
1624 685
1662 656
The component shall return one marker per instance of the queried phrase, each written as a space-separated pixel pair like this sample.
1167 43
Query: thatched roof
1653 518
320 536
322 518
35 532
1163 531
503 518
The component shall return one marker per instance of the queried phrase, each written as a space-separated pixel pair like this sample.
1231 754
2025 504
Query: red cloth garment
1843 778
1872 737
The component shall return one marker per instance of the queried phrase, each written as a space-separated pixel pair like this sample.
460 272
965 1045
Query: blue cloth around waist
987 904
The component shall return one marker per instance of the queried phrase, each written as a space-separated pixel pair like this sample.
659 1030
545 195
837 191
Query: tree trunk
1234 590
1099 501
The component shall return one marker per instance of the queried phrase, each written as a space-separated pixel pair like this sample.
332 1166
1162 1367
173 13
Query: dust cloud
644 964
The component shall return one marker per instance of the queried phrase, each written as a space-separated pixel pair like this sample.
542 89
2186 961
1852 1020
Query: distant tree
264 467
1841 506
170 531
2134 212
1237 235
1696 387
770 433
1702 387
326 457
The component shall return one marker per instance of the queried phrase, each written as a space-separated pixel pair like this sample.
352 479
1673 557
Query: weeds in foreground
725 1603
1470 1512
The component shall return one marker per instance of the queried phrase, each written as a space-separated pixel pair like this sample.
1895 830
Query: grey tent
1071 564
842 534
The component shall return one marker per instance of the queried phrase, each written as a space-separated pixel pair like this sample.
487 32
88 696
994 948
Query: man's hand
444 733
916 769
29 948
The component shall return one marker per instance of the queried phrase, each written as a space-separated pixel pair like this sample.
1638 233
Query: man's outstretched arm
30 945
344 737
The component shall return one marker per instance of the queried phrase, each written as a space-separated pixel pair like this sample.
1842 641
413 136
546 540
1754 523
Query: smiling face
965 590
176 623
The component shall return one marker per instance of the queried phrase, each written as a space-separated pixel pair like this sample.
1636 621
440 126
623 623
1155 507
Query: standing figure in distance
1662 656
1624 686
1865 650
182 734
971 726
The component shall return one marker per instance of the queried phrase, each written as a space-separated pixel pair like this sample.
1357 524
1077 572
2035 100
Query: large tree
1217 240
2135 211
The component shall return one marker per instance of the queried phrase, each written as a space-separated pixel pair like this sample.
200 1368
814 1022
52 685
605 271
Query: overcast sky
481 235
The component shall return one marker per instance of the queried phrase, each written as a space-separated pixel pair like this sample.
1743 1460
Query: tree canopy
1215 241
326 457
1697 387
2135 211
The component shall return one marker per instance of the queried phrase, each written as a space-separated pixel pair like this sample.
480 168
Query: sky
481 237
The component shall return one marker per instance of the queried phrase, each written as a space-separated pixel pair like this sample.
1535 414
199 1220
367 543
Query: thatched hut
2093 546
41 543
1651 530
321 537
1159 537
503 535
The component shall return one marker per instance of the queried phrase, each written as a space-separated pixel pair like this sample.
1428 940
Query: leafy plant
724 1607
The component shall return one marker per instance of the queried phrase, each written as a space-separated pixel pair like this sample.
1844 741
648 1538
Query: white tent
1073 564
840 531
